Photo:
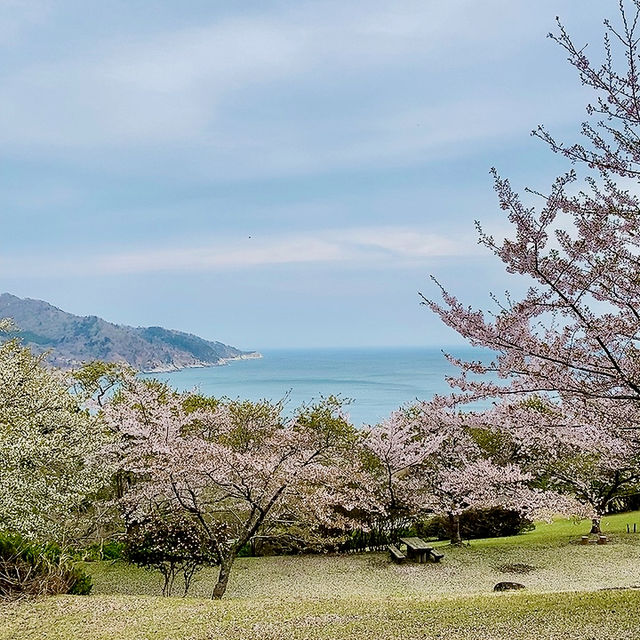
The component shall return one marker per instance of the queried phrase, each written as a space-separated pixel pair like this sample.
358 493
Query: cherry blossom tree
430 462
570 449
234 467
395 451
50 447
576 331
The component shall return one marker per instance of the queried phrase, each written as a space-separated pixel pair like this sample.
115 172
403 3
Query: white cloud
171 87
391 246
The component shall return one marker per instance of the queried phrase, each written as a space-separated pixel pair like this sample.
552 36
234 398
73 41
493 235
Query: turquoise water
376 380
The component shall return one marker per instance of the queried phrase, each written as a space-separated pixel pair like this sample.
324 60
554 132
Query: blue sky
277 173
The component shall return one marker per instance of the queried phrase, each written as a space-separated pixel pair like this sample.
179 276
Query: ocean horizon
376 380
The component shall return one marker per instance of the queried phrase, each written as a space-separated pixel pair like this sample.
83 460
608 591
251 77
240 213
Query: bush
33 569
477 523
624 503
359 540
170 543
110 550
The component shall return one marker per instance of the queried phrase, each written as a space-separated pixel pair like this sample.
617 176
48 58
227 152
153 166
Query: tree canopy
51 448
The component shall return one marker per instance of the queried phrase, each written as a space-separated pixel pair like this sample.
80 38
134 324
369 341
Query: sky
274 173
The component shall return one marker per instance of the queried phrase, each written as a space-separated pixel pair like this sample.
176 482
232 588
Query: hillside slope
72 339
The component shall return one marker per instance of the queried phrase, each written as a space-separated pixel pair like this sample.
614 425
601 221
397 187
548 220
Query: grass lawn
573 591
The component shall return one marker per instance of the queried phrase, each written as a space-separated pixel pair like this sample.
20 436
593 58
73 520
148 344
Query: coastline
253 355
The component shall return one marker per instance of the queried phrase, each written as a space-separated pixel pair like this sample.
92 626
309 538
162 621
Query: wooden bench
417 549
396 555
436 556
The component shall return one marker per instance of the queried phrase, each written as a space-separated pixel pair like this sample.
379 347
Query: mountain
73 339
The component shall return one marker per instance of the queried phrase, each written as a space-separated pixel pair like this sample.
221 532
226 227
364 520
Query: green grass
563 530
573 591
608 614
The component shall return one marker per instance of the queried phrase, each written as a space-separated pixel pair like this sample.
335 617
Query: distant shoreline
253 355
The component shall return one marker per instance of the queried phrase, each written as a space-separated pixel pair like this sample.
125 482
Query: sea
374 381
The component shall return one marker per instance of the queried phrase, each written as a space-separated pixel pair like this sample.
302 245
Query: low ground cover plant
32 569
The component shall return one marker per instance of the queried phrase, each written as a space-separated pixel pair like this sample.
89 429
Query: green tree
51 447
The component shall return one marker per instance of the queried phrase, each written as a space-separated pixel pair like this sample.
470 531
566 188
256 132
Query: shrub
34 569
170 543
477 523
110 550
624 503
359 540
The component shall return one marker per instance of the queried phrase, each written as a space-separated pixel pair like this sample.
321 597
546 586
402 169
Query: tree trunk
454 529
595 525
223 577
